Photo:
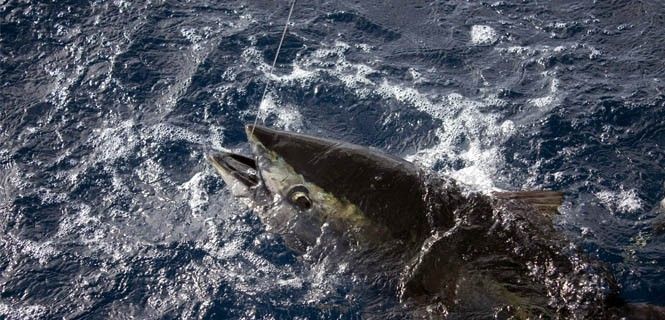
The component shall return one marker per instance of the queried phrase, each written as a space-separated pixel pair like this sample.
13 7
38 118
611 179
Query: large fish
458 252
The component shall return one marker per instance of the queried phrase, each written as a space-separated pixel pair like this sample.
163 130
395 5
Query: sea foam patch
622 201
483 35
462 120
551 97
23 312
287 117
195 193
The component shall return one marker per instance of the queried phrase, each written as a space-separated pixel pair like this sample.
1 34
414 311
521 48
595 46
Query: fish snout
235 168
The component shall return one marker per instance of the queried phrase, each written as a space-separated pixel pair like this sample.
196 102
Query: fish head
368 186
313 182
285 203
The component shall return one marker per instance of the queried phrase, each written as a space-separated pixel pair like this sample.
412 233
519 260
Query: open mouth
241 168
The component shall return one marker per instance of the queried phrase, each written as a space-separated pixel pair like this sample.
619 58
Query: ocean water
108 208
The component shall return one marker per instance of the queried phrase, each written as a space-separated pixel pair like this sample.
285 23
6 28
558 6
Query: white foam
548 101
364 47
22 312
195 193
624 201
150 171
40 251
325 60
482 163
543 52
297 74
193 36
11 181
508 128
593 52
542 102
121 140
483 35
461 118
121 4
158 194
288 117
629 201
518 50
164 132
216 138
111 143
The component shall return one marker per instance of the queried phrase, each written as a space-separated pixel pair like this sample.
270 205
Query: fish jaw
239 172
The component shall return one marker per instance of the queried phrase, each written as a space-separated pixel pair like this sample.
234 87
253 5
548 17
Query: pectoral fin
547 202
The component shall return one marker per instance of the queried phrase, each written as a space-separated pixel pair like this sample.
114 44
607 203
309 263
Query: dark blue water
108 208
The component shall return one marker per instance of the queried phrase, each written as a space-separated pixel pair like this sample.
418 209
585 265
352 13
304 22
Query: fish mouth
239 170
235 168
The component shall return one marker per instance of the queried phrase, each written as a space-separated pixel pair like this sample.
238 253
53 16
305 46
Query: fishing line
272 67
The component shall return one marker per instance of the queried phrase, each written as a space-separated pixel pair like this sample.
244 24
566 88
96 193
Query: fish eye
299 196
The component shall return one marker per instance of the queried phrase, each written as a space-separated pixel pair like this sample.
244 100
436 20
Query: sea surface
108 208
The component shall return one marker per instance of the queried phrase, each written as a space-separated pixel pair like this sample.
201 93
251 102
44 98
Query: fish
457 251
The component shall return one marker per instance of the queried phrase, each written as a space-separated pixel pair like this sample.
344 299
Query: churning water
109 209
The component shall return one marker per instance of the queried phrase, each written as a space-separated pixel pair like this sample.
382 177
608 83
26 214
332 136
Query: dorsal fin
547 202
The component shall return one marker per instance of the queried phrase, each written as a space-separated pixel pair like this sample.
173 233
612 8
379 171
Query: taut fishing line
272 67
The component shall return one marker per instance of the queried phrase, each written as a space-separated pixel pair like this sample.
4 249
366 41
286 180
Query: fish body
458 252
